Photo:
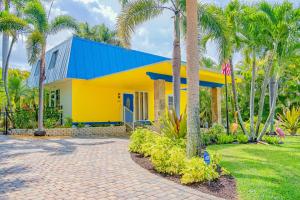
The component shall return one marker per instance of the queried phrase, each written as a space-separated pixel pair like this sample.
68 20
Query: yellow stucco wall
95 103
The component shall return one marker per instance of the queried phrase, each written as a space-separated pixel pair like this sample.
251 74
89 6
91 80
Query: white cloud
106 11
99 8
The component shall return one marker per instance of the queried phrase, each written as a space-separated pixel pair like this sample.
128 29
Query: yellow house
101 83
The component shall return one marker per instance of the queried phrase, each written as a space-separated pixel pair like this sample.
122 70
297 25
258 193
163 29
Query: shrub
224 139
197 171
24 119
80 125
290 120
216 129
271 139
173 127
242 139
142 140
50 123
68 122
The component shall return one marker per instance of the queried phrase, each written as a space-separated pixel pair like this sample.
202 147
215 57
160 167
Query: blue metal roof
89 59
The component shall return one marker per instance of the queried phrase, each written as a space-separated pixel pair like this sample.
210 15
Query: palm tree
98 33
193 147
138 11
37 40
10 25
252 37
282 28
228 42
18 89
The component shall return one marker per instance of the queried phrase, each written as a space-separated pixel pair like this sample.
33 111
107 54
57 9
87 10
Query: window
141 106
53 60
54 99
37 68
170 102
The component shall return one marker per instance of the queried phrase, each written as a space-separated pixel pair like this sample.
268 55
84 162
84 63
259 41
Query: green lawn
262 171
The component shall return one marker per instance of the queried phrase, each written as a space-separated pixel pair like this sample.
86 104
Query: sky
154 36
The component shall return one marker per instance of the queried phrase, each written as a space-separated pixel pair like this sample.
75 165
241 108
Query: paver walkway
80 169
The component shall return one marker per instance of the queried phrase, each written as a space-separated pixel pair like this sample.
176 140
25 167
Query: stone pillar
216 105
159 98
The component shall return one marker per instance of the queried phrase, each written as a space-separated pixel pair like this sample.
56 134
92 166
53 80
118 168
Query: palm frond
63 22
34 44
35 14
10 23
133 14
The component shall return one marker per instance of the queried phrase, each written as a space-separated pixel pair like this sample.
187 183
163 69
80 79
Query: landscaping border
110 131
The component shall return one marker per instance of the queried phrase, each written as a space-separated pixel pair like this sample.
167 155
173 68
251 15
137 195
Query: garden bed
224 187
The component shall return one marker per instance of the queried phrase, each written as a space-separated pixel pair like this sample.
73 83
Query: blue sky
154 36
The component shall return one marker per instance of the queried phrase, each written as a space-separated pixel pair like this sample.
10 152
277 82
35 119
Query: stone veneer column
159 98
216 105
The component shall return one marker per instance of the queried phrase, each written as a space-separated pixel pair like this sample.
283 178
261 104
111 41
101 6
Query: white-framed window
54 98
141 106
170 102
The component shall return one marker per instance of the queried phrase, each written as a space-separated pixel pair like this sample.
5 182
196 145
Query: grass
262 171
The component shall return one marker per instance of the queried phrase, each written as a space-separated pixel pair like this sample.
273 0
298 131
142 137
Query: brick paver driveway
79 169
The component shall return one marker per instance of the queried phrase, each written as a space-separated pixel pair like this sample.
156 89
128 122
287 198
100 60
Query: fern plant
290 120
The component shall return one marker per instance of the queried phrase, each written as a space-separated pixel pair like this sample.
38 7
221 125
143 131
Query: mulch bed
224 187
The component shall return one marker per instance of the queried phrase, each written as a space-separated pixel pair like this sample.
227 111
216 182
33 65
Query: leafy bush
224 139
80 125
290 120
168 156
242 139
24 119
271 139
139 139
50 123
196 170
68 122
216 129
173 127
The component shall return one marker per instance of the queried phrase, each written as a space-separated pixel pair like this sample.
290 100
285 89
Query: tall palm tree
98 33
193 147
252 37
37 41
135 12
282 28
228 42
10 26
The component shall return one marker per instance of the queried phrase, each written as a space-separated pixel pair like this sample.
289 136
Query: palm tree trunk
193 147
263 95
271 113
176 64
235 98
41 90
5 47
5 78
272 96
252 95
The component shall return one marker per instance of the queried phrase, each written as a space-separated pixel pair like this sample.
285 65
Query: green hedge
168 156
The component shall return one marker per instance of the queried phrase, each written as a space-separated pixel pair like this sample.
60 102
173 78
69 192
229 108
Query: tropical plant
228 41
18 89
172 126
10 25
271 139
137 12
36 42
98 33
290 120
282 28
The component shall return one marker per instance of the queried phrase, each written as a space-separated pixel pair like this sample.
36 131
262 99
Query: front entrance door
128 108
